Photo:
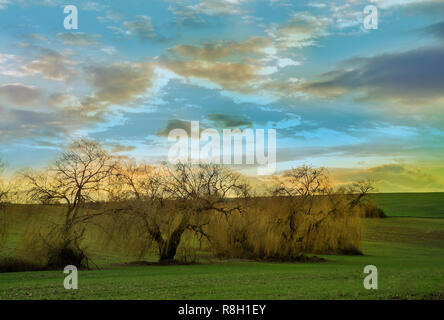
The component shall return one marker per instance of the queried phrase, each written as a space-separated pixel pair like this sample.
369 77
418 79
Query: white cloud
4 4
301 30
286 62
109 50
393 3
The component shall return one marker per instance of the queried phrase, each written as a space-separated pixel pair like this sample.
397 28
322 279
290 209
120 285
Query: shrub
55 249
263 230
10 264
370 210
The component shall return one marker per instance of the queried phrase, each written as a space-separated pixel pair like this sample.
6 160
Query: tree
78 176
168 202
315 205
359 190
302 186
3 196
3 188
199 191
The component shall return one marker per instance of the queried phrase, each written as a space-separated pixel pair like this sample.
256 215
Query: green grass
427 205
408 252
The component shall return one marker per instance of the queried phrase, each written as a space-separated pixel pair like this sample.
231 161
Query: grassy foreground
408 252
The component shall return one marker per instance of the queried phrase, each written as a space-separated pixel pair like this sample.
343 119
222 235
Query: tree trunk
168 249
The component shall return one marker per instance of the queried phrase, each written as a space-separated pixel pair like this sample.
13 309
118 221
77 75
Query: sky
364 103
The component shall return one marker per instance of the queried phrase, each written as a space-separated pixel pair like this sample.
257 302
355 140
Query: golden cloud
235 76
222 49
53 66
118 84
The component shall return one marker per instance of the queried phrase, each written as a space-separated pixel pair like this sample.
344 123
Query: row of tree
159 204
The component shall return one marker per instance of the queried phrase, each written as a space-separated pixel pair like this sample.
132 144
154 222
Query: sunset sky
363 103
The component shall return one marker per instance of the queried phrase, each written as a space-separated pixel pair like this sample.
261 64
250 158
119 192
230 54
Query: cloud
142 27
79 39
301 30
4 4
392 178
411 77
110 16
60 124
39 37
69 110
235 76
93 6
209 8
286 62
231 65
228 121
49 63
175 124
118 84
110 50
116 148
19 94
223 48
218 7
384 4
9 65
347 15
53 66
436 30
64 100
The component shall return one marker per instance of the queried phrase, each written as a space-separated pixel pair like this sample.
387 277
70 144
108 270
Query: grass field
408 252
427 205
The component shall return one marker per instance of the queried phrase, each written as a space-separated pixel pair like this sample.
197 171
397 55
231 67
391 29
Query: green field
427 205
408 252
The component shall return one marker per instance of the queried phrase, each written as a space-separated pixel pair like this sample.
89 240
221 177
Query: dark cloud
409 77
436 30
228 121
19 94
175 124
24 123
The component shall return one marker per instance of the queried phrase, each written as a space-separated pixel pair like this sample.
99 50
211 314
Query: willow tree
77 177
3 197
164 203
318 216
3 188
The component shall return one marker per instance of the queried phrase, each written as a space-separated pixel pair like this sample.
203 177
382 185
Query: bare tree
3 196
4 190
302 186
200 191
313 202
76 178
359 191
169 202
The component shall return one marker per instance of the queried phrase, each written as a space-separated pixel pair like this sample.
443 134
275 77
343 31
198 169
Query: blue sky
359 102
